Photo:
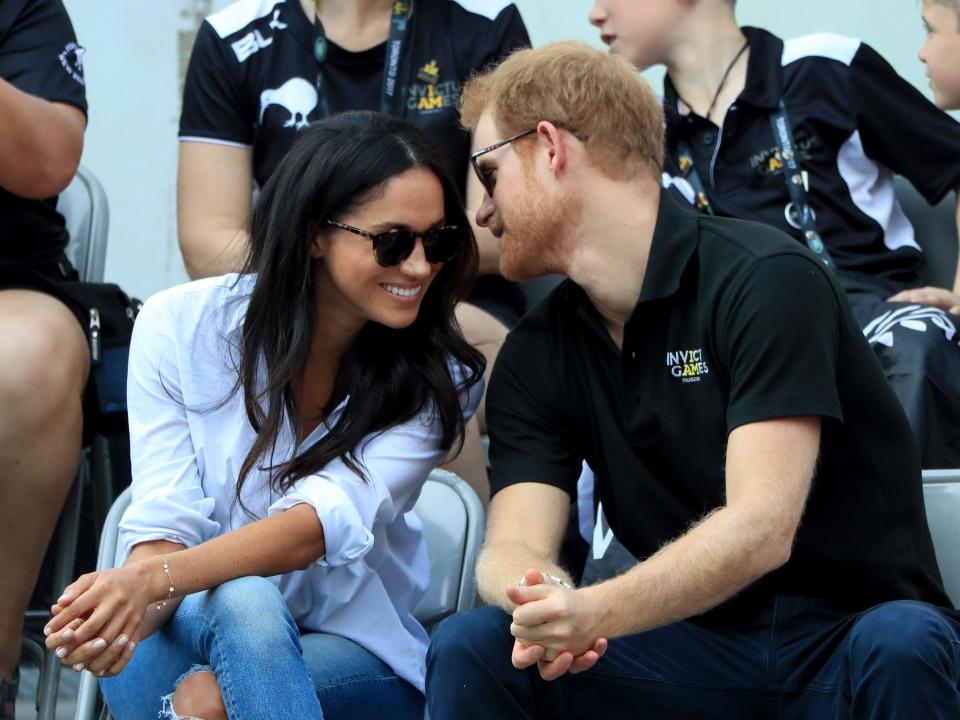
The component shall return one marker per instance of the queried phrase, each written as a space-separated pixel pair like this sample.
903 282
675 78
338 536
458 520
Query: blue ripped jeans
242 632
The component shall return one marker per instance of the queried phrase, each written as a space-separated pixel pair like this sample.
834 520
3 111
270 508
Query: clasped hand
96 622
554 627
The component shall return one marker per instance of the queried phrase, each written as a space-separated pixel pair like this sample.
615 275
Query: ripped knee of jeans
166 702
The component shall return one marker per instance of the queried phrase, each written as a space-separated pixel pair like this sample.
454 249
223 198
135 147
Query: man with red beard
712 374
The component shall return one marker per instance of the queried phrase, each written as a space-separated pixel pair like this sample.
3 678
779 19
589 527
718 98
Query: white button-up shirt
187 447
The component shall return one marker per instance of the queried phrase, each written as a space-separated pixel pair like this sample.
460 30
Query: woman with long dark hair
283 421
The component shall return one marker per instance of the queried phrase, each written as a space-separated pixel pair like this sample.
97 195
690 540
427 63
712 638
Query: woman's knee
249 612
197 696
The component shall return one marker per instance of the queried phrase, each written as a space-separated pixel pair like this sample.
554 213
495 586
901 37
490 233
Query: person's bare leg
486 334
469 463
198 696
44 363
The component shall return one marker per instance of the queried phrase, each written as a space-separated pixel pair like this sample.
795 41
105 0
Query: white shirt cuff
345 537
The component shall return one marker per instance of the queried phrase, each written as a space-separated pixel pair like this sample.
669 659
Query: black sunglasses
391 247
487 177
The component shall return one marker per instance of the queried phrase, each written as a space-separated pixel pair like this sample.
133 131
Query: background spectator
44 357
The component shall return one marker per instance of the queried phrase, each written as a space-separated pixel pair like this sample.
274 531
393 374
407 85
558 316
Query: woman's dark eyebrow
388 225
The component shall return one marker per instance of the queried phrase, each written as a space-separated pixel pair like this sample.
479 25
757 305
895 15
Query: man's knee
44 358
198 696
897 635
482 634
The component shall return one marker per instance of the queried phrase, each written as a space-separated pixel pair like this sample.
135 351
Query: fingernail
131 645
99 644
68 634
61 652
62 598
47 631
78 667
101 673
122 640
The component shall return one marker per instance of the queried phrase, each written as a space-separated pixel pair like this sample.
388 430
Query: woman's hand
97 620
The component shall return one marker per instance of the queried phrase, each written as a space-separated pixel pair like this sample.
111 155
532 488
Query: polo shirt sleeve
39 53
168 500
531 439
213 105
396 463
902 129
507 34
778 335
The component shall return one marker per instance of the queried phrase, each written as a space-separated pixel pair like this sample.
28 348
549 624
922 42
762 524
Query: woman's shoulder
200 296
211 307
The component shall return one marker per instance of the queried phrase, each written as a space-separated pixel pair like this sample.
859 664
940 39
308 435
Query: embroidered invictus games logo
770 161
433 97
687 365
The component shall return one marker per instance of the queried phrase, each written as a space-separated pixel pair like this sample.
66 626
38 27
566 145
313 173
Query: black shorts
46 277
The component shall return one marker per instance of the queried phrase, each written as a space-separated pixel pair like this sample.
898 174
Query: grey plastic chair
936 232
84 208
941 496
453 526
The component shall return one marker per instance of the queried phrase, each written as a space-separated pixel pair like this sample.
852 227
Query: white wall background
136 50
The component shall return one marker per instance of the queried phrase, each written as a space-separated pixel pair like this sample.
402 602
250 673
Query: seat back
453 525
941 495
84 208
935 229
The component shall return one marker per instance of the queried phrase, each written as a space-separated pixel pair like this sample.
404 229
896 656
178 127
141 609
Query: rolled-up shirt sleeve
168 500
396 463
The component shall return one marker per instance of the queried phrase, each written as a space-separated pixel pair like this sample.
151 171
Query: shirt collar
764 85
674 240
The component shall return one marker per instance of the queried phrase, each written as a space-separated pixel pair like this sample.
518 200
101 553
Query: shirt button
709 138
633 355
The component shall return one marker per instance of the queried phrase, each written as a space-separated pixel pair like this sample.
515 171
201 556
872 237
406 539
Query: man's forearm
502 565
717 558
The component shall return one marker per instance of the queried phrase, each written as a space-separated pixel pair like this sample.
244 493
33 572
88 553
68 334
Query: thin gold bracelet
166 571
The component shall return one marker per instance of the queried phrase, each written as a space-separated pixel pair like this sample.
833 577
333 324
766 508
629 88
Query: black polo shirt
40 56
736 323
856 123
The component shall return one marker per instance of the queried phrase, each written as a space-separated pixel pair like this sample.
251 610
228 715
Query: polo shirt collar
674 240
764 84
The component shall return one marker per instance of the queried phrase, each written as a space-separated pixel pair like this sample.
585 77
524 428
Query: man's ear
554 141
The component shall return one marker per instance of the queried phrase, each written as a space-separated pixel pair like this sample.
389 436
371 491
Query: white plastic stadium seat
941 496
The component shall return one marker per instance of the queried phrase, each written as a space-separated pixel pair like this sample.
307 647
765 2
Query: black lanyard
796 186
793 176
392 62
